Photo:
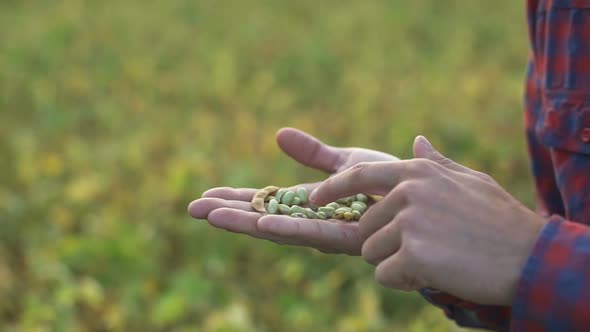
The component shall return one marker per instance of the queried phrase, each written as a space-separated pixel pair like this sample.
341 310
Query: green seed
362 198
296 209
311 214
302 194
288 198
279 194
284 209
348 216
296 201
346 200
343 210
299 215
360 203
341 200
322 216
338 215
356 214
328 211
358 206
333 205
273 206
268 198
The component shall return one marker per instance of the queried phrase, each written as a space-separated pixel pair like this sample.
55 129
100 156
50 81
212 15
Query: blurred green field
116 114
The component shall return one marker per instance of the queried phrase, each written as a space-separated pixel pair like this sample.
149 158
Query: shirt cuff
553 293
469 314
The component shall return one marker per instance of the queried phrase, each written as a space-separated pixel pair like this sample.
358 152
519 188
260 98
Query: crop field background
114 115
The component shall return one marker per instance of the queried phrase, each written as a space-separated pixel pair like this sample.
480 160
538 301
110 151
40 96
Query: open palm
229 208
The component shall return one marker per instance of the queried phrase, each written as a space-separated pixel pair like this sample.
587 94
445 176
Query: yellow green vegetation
114 115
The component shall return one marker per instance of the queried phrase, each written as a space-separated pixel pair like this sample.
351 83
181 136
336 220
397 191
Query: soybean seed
296 209
279 194
356 214
311 214
288 198
284 209
273 206
302 194
361 198
328 211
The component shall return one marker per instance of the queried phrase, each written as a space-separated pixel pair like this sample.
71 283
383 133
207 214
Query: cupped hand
229 208
440 225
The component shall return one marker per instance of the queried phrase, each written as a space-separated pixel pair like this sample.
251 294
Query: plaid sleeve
553 293
468 314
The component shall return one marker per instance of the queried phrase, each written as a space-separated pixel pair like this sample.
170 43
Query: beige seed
258 199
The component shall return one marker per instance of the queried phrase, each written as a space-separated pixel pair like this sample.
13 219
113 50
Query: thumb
308 150
423 149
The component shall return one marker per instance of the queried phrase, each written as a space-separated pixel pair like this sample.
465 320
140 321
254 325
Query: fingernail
424 141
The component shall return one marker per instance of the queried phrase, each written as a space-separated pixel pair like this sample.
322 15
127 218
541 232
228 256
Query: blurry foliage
116 114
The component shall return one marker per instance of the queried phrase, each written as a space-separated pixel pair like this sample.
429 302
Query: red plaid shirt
554 289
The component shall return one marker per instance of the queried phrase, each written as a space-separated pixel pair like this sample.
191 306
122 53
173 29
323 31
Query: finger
376 178
339 236
201 208
238 194
423 149
239 221
242 222
381 213
383 243
396 272
246 194
308 150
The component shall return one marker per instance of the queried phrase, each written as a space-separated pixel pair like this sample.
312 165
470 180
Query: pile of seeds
295 203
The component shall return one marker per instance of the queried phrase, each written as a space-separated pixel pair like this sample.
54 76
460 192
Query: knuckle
409 189
413 251
405 221
358 168
485 177
367 253
401 279
363 229
422 166
382 276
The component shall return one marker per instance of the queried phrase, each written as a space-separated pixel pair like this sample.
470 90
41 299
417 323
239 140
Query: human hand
440 225
229 208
